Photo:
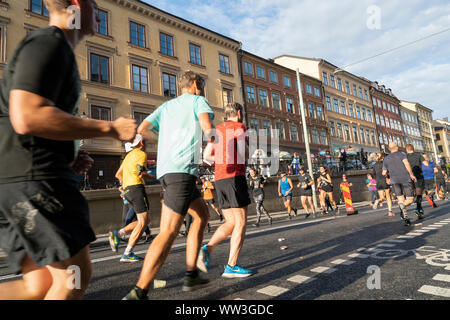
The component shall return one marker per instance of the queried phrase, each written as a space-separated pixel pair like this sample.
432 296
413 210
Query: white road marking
323 270
386 245
361 249
435 291
301 279
396 241
437 225
442 223
405 237
342 261
442 277
423 230
272 291
418 224
430 228
358 255
415 234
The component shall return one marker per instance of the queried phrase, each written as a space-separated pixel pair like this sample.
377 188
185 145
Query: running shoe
114 241
375 205
407 222
203 259
295 211
307 215
270 220
192 284
236 272
314 215
418 214
131 257
255 224
132 295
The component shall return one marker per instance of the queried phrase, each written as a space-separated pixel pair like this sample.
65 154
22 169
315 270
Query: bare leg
303 199
224 231
139 229
311 204
238 235
389 199
200 215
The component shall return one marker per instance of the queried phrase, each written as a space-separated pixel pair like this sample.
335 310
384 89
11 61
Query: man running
44 219
285 188
131 175
402 178
305 184
229 154
429 170
384 191
441 177
257 186
416 160
180 123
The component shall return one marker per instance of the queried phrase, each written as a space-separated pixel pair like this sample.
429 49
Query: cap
130 145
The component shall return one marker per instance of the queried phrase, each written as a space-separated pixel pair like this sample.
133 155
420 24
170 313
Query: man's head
425 156
393 146
302 170
192 83
409 148
252 172
64 18
137 143
283 174
233 111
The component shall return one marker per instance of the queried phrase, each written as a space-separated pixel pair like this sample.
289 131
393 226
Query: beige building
349 111
442 130
425 118
131 65
411 128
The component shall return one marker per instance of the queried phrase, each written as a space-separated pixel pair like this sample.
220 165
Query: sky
343 32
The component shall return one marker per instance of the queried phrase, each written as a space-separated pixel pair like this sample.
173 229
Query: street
326 259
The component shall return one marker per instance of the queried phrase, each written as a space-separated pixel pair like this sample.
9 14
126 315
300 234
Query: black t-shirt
393 163
415 160
255 185
439 175
43 64
378 171
304 180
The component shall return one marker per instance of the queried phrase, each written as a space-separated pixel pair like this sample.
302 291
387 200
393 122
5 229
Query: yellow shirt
130 167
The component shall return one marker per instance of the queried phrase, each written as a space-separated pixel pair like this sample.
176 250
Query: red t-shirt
227 163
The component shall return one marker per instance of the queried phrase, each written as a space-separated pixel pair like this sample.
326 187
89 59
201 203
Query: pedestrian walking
44 219
256 184
383 187
285 188
305 183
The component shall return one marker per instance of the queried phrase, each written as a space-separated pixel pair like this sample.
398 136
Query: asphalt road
369 256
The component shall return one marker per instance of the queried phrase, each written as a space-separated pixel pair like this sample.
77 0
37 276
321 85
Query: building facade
411 128
386 107
425 118
349 112
131 66
442 131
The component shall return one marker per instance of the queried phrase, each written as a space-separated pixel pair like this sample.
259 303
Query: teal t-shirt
180 134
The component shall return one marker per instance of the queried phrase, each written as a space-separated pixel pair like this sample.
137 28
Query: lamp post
305 134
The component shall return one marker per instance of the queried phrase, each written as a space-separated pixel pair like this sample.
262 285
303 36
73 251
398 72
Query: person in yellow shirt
131 175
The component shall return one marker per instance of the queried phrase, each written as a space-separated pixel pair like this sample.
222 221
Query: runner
305 184
257 186
208 195
44 219
402 178
180 123
326 187
372 185
416 160
229 154
441 177
131 175
285 188
384 190
429 169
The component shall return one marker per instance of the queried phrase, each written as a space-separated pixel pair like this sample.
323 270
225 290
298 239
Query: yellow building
131 65
442 130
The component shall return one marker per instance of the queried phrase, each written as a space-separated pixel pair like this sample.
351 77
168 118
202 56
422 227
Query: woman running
383 188
326 187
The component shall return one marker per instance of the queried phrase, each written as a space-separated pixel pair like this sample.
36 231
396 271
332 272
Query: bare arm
409 169
146 130
34 115
208 154
205 124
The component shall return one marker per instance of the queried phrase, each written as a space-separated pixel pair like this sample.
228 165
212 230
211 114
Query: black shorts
382 186
137 197
46 220
420 184
180 190
430 185
327 188
287 198
306 193
405 189
232 193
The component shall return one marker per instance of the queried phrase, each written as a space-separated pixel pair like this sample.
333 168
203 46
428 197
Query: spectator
372 185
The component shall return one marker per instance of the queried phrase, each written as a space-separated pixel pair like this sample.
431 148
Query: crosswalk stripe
301 279
323 270
430 228
423 230
342 261
442 277
405 237
358 255
437 225
386 245
396 241
273 291
414 234
435 291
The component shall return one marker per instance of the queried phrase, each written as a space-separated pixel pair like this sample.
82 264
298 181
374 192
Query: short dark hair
187 80
232 108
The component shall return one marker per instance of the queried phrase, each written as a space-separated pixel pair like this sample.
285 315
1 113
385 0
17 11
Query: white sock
122 233
128 250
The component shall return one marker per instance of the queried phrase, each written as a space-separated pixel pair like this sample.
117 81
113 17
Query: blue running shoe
203 259
131 258
236 272
114 241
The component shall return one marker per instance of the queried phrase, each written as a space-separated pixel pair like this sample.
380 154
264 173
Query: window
38 6
363 139
379 103
382 121
374 102
140 78
294 135
102 26
336 106
166 43
273 76
323 138
254 125
227 96
290 105
377 119
328 104
384 105
438 137
260 72
366 95
339 131
248 68
351 111
100 113
251 95
355 93
339 84
311 112
276 101
99 68
360 93
364 114
267 125
137 34
355 134
316 92
325 78
287 81
343 108
332 129
263 98
380 138
139 117
374 140
387 122
319 113
347 87
224 63
358 112
385 140
389 107
367 136
169 85
308 88
280 128
333 84
347 132
441 150
369 116
315 136
195 54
